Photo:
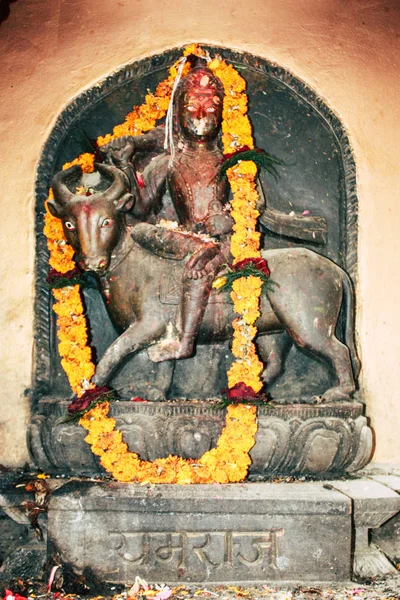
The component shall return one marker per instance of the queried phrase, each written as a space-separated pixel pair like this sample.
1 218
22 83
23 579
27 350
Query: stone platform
321 440
241 533
249 533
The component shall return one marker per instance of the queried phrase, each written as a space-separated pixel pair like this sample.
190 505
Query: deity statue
192 251
199 196
152 224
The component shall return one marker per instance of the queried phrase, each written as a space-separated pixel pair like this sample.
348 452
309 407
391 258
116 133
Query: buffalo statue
305 302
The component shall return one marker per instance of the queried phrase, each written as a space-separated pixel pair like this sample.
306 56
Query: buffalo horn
62 193
119 184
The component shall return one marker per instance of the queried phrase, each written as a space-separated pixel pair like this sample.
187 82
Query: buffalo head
92 224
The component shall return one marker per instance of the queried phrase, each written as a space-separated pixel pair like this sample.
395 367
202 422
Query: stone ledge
300 439
373 502
258 498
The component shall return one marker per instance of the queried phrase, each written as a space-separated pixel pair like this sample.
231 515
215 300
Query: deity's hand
120 150
199 264
219 224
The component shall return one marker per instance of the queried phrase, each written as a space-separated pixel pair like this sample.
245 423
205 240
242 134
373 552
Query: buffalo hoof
336 394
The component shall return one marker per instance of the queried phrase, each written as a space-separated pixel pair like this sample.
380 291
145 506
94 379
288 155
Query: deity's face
200 109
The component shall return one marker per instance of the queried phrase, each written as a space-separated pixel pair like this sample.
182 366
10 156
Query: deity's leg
180 343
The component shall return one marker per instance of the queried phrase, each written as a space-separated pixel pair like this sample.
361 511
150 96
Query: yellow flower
219 282
192 49
228 462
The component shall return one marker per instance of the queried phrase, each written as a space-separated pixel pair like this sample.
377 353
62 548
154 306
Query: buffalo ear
125 203
55 209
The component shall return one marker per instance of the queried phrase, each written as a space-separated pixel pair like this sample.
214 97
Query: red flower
258 263
82 403
242 149
138 399
96 149
53 275
9 595
241 391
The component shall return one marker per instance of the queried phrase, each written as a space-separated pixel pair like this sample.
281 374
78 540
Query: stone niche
313 205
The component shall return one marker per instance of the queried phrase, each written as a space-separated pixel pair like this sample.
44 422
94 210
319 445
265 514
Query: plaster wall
347 51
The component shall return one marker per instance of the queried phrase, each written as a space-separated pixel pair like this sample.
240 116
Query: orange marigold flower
85 161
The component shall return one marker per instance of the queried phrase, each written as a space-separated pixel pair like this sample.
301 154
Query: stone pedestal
294 439
205 533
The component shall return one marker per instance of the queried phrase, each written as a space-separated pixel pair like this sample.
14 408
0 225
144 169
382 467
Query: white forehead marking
91 179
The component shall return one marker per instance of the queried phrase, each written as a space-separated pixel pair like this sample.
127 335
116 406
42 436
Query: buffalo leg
339 357
273 349
139 335
317 334
327 346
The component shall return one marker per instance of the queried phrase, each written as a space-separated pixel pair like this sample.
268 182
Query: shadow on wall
5 9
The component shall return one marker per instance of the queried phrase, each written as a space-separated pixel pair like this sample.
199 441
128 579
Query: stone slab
253 532
373 502
391 481
387 537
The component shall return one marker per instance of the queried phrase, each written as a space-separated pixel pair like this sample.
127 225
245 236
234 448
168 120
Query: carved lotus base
296 439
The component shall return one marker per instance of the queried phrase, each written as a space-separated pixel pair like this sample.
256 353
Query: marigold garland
229 461
245 242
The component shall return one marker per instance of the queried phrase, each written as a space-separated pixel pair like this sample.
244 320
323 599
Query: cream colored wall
347 50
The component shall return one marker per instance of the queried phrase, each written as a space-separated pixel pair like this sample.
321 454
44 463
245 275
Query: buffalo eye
70 226
107 223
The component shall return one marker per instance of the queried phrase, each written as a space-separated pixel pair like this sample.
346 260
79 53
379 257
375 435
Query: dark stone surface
318 440
235 533
12 535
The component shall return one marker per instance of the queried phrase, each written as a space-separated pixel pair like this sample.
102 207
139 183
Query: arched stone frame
76 108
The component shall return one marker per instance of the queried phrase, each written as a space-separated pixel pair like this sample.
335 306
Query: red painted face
200 107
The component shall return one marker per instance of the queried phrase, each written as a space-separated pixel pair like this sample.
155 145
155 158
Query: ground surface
387 588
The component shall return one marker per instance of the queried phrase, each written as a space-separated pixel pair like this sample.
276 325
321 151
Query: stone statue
154 231
116 235
199 197
305 302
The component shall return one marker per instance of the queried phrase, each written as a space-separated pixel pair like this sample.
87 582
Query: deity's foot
169 349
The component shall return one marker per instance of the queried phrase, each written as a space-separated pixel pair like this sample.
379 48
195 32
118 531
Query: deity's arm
148 194
305 227
151 141
262 196
146 187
